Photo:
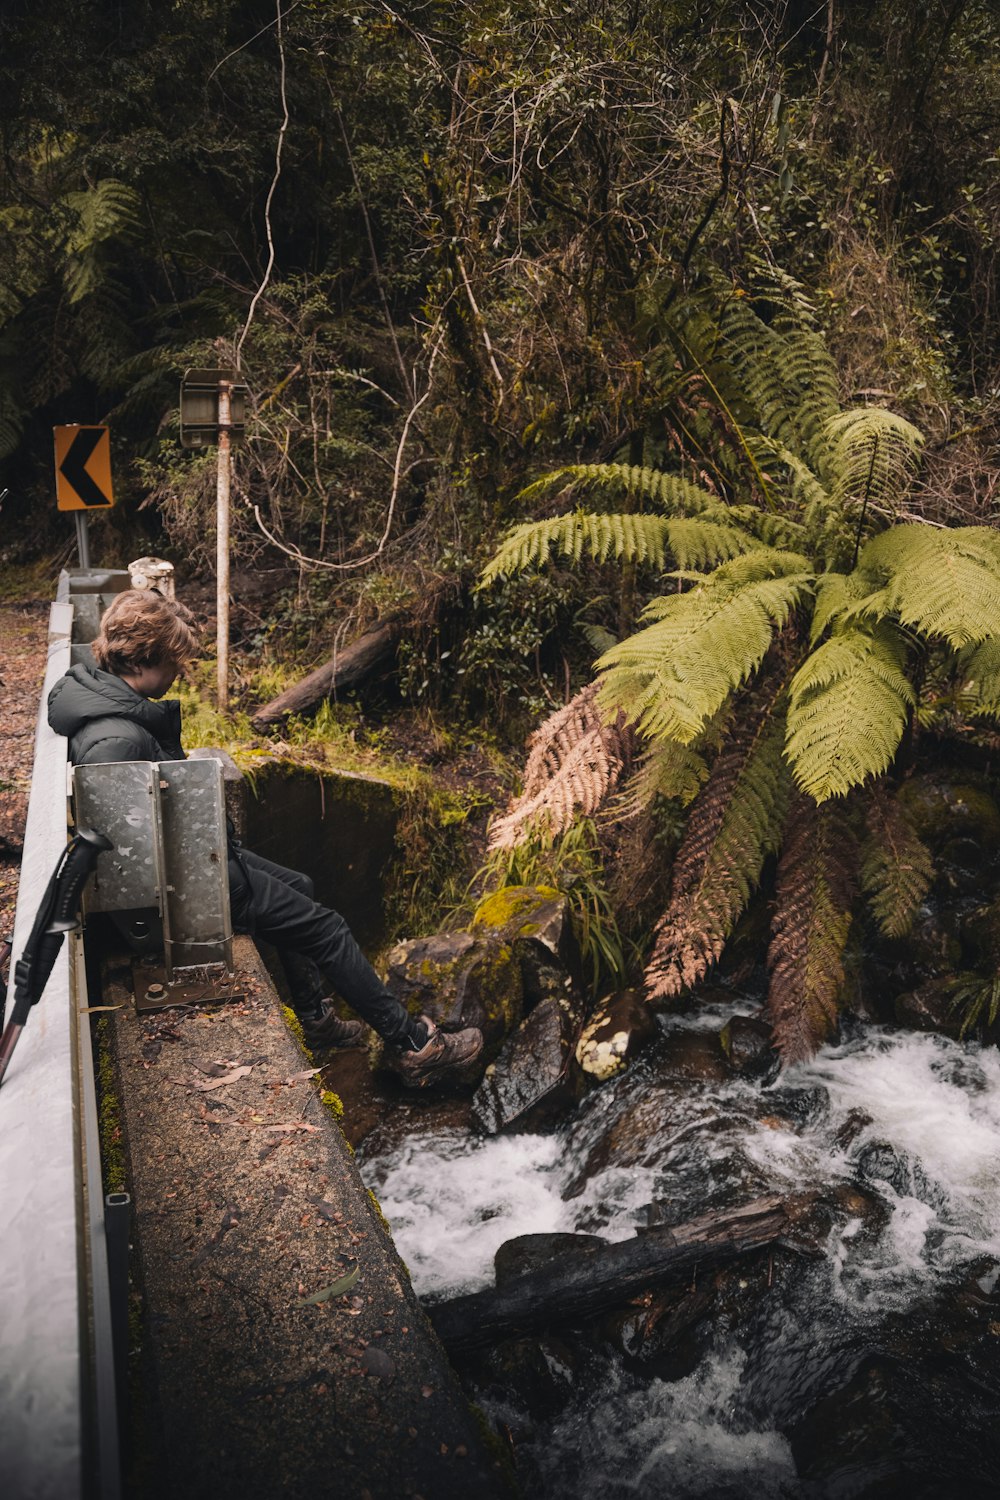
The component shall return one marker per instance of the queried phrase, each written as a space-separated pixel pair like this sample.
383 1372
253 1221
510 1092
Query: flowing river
893 1319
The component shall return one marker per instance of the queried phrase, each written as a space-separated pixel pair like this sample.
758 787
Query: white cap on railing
153 573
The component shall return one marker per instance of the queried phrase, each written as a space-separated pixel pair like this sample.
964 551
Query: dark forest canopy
510 191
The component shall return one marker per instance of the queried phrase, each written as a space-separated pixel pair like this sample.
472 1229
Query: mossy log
345 669
609 1275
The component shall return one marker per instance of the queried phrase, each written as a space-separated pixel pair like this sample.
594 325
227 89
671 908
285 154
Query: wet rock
693 1055
535 921
666 1339
879 1163
530 1084
530 1252
855 1123
538 1374
621 1027
931 1007
801 1108
748 1045
942 810
460 979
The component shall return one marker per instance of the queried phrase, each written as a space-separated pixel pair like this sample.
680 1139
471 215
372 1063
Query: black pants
316 945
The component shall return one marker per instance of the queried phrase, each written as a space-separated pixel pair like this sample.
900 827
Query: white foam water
452 1201
927 1107
679 1440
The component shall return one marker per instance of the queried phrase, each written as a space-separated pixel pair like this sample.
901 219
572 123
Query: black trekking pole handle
56 916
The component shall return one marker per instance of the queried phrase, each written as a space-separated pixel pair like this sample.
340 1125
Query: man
116 711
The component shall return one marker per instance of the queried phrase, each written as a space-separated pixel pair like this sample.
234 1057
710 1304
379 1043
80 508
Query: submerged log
345 669
610 1274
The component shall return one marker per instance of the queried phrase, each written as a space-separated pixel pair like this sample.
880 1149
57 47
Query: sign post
213 410
222 545
83 477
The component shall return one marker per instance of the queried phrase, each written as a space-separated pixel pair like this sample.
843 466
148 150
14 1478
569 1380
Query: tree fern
943 582
671 677
734 823
668 491
896 866
812 918
694 542
848 706
869 455
575 759
979 678
107 211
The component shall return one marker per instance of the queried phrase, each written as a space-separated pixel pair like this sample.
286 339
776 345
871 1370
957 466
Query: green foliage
572 863
843 621
896 867
848 706
977 1000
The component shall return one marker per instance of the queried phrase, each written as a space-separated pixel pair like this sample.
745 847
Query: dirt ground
23 633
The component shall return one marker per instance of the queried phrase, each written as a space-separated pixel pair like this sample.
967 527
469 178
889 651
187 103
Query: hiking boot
446 1057
326 1029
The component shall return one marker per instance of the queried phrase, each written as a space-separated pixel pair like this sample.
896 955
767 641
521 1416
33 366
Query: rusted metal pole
222 546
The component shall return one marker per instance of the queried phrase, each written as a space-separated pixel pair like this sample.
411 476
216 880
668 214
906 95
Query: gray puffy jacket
104 719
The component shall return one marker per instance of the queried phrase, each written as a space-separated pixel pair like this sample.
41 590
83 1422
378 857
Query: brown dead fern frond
812 919
735 822
897 868
575 759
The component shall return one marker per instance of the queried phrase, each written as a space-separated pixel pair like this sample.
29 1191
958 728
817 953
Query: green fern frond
869 454
805 490
695 542
640 538
786 372
848 707
809 931
896 866
670 678
837 595
667 491
110 210
734 824
771 528
667 769
938 580
979 670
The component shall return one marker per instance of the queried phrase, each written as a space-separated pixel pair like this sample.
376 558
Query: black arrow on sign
74 466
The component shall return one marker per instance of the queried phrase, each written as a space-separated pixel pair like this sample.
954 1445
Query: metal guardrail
58 1416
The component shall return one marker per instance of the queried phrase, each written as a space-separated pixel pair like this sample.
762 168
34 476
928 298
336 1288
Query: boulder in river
931 1007
518 950
459 979
529 1252
530 1082
749 1047
621 1027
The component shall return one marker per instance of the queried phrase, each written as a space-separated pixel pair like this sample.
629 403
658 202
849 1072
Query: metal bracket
205 984
167 824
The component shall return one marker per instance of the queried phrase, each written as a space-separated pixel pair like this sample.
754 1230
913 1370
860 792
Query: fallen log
608 1275
345 669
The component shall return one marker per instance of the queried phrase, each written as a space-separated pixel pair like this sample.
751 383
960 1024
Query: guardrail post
117 1223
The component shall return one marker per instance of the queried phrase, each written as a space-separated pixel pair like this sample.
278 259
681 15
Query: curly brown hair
142 629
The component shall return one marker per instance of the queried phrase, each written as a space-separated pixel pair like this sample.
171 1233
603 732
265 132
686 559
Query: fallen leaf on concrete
217 1083
296 1125
298 1077
325 1210
377 1362
335 1289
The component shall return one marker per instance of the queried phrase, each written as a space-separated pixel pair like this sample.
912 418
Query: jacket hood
85 694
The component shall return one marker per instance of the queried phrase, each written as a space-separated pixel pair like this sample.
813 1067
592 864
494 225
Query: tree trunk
611 1274
346 669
